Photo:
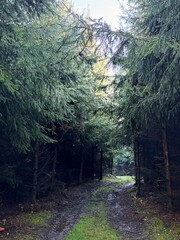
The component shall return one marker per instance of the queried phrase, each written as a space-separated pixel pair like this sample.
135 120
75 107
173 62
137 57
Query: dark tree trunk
167 166
35 173
54 163
101 166
92 162
135 161
137 167
111 166
81 165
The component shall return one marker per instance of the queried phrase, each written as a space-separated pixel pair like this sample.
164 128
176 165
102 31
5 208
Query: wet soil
67 206
68 212
120 209
123 216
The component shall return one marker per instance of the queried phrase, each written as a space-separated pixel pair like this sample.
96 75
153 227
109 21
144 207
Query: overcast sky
108 9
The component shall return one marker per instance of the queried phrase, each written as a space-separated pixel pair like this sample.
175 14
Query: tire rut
122 214
120 210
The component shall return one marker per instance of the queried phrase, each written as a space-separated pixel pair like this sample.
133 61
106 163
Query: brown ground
68 212
121 211
123 215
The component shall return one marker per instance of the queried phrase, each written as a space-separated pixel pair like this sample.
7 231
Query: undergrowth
30 222
38 219
162 232
157 228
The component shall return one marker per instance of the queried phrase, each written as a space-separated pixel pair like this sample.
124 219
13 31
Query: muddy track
121 213
65 217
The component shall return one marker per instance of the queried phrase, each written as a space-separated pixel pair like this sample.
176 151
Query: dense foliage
147 92
52 124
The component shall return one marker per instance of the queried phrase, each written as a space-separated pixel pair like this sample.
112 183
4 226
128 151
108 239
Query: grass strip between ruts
93 223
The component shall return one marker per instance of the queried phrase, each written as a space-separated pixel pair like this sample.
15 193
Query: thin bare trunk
135 162
81 166
54 166
167 166
35 173
92 163
101 166
137 167
111 166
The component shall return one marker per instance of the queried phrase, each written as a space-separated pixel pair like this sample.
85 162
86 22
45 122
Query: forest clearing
89 122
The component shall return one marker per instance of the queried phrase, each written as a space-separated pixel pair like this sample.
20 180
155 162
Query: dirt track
120 209
123 215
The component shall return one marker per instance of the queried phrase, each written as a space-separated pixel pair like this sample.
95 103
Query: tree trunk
137 167
135 161
101 166
111 166
167 166
54 166
81 166
35 173
92 162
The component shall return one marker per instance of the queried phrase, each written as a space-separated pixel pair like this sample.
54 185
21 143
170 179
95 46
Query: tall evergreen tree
149 89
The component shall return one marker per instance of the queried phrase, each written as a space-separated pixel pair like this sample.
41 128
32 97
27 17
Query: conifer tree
149 89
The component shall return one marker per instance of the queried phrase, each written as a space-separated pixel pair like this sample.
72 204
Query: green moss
103 191
114 182
157 229
125 179
35 219
32 221
39 219
161 232
118 179
93 225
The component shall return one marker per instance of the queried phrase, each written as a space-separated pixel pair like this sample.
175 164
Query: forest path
124 216
68 213
84 211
